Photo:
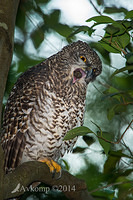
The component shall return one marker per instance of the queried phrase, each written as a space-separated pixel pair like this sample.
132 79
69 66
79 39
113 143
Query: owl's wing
20 103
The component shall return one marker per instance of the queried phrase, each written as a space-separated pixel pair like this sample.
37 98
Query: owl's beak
89 75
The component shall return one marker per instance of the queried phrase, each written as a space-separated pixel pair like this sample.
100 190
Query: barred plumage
47 101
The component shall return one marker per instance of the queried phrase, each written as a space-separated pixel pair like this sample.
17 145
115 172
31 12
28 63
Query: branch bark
15 182
8 11
1 173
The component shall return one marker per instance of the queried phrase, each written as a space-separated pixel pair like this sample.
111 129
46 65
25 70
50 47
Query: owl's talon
55 172
53 166
60 173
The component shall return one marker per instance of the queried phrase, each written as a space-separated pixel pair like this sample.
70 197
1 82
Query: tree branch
1 173
15 182
8 11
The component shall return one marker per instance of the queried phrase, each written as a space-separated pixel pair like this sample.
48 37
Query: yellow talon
53 166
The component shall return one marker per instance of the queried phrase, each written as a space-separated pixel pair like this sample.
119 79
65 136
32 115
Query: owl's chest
49 122
63 114
58 114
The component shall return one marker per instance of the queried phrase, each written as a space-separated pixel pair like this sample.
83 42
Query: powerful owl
47 101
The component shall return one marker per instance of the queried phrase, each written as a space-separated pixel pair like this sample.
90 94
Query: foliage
116 175
32 27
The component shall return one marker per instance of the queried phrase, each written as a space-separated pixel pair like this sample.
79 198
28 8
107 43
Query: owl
46 102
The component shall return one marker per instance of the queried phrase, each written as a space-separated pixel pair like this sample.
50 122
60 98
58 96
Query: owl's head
82 62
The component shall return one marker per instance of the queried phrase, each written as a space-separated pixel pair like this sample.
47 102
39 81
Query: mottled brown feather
44 104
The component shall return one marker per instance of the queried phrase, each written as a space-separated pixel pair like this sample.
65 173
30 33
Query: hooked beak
89 75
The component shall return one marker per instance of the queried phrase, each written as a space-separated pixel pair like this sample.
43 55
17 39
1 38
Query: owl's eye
83 58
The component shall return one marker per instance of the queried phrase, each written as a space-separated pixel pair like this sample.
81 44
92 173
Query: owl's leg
53 166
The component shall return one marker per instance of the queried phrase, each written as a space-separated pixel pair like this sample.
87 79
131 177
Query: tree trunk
8 11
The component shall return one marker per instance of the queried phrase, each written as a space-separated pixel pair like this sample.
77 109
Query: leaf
67 167
111 112
122 70
116 36
114 9
130 93
43 1
123 82
21 18
120 108
119 154
79 149
101 19
53 18
82 28
110 164
63 29
78 131
112 29
124 39
116 110
37 37
129 14
129 58
105 145
112 93
127 24
112 90
107 46
88 139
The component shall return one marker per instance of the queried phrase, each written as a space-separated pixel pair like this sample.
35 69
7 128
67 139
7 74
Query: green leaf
115 9
124 39
116 95
111 112
78 131
129 14
116 110
119 154
123 82
67 167
116 36
82 29
108 47
120 108
37 37
79 149
112 90
130 93
128 24
53 18
130 67
106 145
112 29
63 29
110 164
101 19
129 58
43 1
89 140
21 18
